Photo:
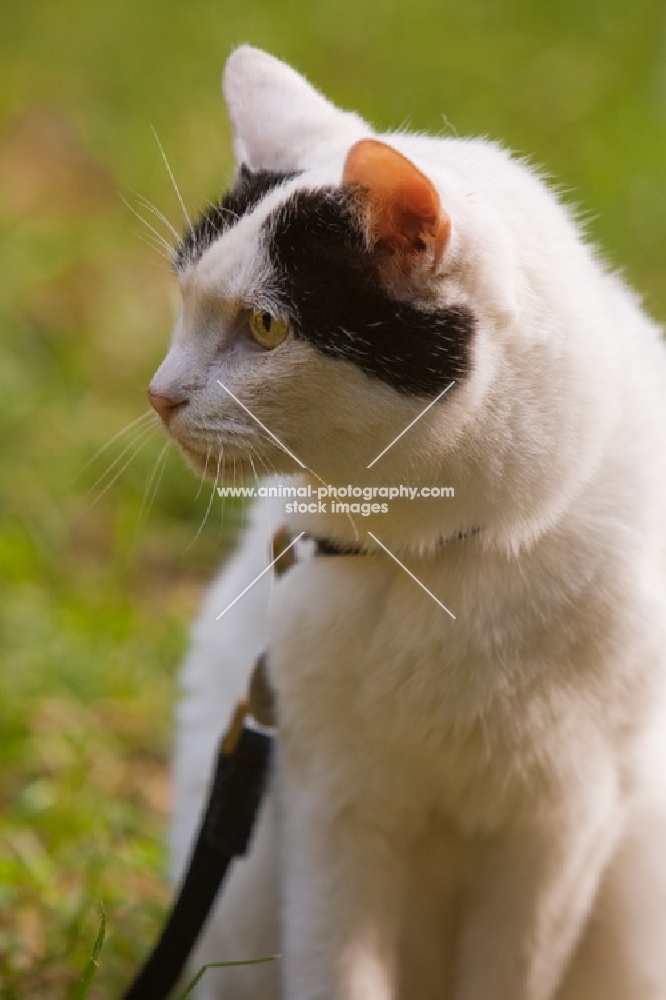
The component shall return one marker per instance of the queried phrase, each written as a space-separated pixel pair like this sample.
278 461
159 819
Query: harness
234 797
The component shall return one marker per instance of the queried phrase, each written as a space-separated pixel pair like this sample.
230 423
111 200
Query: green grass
221 965
94 609
88 976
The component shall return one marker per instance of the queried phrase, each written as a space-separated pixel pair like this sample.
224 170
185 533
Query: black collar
329 547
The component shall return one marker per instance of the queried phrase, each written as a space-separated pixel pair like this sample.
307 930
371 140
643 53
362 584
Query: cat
469 798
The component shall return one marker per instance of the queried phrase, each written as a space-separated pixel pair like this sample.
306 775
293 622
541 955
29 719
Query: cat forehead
231 227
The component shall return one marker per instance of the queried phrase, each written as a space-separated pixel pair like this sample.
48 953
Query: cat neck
412 519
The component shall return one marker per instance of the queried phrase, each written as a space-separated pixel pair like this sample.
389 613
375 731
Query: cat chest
380 691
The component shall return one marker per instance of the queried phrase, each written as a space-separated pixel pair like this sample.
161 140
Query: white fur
470 809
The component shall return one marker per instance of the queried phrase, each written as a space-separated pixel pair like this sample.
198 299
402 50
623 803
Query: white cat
468 808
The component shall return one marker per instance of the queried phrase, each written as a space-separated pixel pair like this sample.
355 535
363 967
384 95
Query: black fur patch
249 189
329 285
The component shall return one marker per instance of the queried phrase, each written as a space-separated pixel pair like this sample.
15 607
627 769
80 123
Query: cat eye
268 330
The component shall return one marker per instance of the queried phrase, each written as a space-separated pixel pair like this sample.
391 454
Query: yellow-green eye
268 330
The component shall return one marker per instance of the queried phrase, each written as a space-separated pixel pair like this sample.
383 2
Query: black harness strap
235 795
233 802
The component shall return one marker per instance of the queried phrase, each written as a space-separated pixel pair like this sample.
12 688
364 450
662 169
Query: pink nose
164 405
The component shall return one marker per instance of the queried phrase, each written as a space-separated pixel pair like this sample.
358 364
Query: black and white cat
468 808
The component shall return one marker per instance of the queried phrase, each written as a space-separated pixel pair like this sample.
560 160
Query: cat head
341 286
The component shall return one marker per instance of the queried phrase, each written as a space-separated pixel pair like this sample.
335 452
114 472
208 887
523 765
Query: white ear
279 121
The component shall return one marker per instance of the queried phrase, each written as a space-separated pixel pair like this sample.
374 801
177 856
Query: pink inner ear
403 206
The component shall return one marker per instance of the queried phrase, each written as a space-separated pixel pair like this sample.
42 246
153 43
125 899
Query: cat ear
279 121
402 207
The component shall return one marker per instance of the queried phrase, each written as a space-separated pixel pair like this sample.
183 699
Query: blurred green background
96 599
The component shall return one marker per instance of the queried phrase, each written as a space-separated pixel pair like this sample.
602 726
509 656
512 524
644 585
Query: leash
235 795
236 791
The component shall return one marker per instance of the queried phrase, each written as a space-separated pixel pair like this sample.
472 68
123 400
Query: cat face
345 282
345 260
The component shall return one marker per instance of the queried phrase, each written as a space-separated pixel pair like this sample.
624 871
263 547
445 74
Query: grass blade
222 965
90 971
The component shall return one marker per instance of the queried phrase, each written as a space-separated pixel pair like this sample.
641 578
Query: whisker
118 474
210 504
203 475
160 244
156 212
227 211
157 247
150 494
222 510
173 180
120 433
243 503
162 248
144 434
354 525
162 268
261 458
256 477
158 236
